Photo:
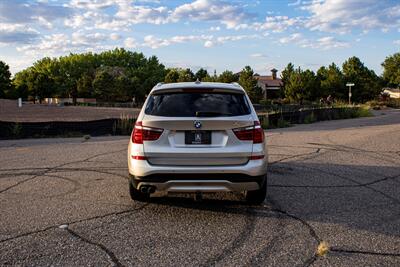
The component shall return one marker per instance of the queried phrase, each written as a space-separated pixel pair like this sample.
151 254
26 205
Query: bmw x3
197 137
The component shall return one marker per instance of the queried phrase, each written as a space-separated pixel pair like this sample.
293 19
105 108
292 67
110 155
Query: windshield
181 104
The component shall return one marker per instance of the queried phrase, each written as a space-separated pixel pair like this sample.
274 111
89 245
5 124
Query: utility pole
350 85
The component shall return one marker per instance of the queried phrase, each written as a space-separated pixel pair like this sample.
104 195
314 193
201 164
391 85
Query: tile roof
269 81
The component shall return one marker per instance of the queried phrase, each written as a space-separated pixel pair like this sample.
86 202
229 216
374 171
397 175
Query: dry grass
322 249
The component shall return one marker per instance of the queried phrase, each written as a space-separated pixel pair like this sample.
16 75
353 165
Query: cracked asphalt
65 202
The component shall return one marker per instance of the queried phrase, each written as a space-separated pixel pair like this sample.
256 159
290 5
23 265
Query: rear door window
193 104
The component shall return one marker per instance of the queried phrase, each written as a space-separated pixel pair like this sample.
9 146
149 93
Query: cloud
115 36
24 11
207 40
61 43
324 43
17 34
277 23
397 42
142 14
295 37
91 4
296 3
154 42
258 55
206 10
343 16
130 42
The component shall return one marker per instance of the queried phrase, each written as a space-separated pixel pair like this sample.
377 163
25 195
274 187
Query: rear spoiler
197 90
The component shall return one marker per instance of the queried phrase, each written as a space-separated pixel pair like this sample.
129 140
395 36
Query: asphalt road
65 202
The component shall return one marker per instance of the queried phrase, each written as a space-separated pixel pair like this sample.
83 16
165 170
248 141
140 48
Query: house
271 85
392 92
58 100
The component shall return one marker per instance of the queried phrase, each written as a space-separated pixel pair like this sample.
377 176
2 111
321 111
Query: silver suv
197 137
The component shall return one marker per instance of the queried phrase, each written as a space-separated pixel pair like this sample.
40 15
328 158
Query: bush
310 118
124 125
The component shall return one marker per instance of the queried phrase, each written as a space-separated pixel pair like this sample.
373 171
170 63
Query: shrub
124 125
310 118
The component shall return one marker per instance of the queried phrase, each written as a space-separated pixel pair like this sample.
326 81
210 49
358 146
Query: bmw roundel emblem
197 124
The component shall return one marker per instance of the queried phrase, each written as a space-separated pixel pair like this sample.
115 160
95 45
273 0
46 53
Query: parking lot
65 202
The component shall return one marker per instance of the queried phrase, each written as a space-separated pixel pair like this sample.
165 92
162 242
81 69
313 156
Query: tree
39 85
20 85
249 83
84 86
228 77
172 76
103 84
186 75
201 74
391 70
294 88
5 81
331 81
367 83
311 86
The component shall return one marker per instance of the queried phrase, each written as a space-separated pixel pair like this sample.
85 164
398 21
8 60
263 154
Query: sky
213 34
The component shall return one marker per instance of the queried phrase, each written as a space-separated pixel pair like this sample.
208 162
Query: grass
322 249
124 125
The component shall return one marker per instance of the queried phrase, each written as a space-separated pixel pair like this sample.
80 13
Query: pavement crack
109 253
374 253
317 151
75 222
237 242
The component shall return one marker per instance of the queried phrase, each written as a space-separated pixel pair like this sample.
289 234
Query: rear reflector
139 157
251 133
256 157
143 133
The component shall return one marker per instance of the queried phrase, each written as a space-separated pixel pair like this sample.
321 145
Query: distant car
197 137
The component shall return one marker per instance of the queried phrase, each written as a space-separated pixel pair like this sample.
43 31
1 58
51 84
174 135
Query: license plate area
197 137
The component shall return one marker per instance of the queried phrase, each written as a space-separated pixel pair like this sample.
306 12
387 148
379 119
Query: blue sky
214 34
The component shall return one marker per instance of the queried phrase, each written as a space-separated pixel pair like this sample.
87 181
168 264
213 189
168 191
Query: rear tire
257 196
136 194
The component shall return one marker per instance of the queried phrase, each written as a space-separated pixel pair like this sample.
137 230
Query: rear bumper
142 168
208 182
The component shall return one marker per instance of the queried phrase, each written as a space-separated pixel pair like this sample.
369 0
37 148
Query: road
64 202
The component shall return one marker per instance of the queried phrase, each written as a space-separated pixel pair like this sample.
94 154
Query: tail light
144 133
251 133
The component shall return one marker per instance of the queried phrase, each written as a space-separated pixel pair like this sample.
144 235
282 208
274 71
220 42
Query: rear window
181 104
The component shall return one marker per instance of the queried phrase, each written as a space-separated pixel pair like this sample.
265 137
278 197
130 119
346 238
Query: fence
123 126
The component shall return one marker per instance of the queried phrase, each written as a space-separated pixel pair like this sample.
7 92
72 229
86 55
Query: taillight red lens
251 133
258 133
144 133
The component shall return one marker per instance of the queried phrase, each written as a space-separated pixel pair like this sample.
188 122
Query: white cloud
142 14
24 11
208 10
295 37
208 44
342 16
11 33
277 23
396 42
61 43
115 36
91 4
130 42
258 55
154 42
324 43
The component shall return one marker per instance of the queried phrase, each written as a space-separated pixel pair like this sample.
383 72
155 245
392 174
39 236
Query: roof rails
236 84
159 84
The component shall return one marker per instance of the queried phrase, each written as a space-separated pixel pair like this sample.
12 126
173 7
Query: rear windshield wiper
211 114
